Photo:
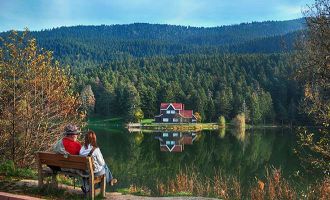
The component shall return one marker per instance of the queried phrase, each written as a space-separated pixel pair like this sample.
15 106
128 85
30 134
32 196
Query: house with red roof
174 113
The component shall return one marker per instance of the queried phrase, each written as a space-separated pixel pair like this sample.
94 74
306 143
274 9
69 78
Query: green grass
9 170
99 119
13 174
106 121
138 192
180 194
147 121
123 190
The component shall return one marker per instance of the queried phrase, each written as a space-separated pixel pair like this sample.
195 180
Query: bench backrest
65 161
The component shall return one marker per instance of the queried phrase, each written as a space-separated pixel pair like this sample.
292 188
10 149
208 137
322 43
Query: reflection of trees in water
239 133
222 132
119 151
238 153
136 159
138 137
257 153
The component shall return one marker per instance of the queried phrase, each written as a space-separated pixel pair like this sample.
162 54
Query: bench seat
72 165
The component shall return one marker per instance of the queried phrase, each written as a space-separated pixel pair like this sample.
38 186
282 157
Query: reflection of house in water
175 141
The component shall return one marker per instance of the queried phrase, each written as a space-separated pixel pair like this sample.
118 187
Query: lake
146 158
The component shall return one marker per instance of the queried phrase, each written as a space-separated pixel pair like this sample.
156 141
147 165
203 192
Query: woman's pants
105 171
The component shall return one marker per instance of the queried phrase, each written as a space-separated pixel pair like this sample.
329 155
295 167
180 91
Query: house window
168 112
172 142
165 119
172 111
168 142
175 134
165 134
175 119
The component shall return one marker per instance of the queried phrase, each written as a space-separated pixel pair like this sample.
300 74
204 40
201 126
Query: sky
45 14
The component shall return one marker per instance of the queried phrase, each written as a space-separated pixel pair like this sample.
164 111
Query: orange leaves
36 92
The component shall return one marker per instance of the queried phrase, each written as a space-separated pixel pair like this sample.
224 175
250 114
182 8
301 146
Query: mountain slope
99 44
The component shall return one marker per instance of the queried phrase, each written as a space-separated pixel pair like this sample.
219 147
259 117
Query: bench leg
40 179
103 186
54 181
91 188
40 175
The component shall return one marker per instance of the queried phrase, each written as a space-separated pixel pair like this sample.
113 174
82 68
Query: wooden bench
75 164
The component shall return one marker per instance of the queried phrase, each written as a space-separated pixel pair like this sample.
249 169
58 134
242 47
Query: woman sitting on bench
90 148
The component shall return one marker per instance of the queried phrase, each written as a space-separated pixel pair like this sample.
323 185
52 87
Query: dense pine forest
214 71
212 85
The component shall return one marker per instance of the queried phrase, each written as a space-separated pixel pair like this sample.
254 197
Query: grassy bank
106 121
9 171
186 183
149 124
180 127
272 186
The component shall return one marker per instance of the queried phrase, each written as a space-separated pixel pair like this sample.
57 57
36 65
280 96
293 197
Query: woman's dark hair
90 138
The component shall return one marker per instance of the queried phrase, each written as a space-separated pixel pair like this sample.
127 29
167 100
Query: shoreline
158 127
171 126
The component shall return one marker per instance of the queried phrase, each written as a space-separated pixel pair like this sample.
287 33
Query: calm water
143 158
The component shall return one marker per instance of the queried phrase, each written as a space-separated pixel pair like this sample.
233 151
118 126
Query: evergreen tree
88 100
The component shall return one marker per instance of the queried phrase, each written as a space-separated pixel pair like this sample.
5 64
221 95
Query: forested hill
215 71
99 44
177 34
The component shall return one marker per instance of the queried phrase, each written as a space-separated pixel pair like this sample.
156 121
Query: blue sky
44 14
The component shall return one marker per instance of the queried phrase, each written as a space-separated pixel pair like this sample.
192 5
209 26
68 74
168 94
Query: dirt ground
11 187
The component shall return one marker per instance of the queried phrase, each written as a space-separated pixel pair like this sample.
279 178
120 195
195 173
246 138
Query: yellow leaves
198 117
24 108
34 92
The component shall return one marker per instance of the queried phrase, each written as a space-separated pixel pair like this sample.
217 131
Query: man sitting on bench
69 144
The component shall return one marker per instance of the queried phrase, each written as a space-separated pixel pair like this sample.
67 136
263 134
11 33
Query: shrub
239 120
8 169
222 121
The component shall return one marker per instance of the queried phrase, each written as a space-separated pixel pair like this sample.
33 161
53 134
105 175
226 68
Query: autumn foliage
36 100
313 74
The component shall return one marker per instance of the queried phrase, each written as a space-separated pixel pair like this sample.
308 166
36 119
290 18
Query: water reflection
140 158
222 132
175 141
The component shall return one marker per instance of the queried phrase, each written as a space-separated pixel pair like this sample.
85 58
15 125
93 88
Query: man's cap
71 130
